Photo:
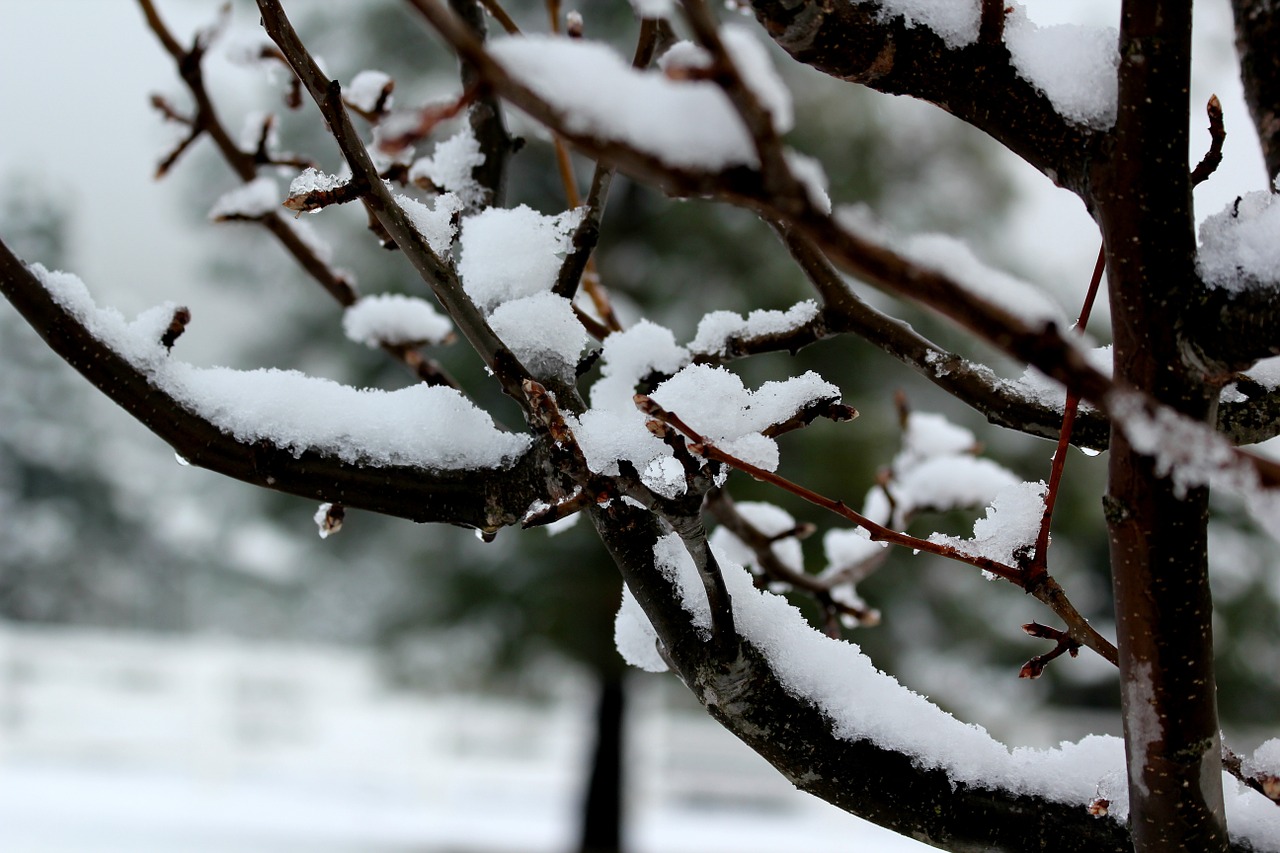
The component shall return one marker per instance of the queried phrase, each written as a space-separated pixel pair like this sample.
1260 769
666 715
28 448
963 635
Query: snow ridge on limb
904 47
479 497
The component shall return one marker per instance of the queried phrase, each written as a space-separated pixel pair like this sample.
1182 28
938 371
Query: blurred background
186 665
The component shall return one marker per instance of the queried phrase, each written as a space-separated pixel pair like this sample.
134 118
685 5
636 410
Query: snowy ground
159 744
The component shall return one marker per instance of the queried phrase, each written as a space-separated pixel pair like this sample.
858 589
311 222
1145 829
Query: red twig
878 532
1039 562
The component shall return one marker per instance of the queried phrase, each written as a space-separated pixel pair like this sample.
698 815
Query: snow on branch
685 124
430 427
127 362
862 705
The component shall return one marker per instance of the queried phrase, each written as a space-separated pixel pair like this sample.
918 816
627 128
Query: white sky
75 77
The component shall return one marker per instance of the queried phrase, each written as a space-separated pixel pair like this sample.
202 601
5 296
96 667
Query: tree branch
746 695
439 276
977 83
1257 33
483 498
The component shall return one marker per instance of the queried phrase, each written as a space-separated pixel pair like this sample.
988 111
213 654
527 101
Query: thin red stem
1039 562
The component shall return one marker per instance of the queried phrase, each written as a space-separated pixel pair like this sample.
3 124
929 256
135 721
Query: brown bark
1158 534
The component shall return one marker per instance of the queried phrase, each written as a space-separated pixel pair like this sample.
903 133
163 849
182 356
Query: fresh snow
770 520
1238 245
955 21
253 200
1011 525
435 222
542 332
1074 66
393 318
686 124
365 89
863 703
311 180
428 426
450 167
953 258
512 253
717 328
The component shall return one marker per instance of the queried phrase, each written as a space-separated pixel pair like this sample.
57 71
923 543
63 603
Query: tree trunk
602 808
1159 548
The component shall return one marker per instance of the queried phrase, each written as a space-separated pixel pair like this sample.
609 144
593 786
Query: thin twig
439 276
705 448
1040 560
1217 135
245 165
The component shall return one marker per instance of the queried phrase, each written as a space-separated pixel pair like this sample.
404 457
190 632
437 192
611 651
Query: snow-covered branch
283 431
1048 95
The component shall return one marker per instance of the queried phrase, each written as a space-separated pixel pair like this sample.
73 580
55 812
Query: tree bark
602 810
1157 528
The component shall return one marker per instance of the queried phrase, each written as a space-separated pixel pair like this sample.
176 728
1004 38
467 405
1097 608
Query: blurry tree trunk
602 808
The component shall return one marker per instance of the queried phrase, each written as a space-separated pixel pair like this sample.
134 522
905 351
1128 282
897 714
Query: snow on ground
158 744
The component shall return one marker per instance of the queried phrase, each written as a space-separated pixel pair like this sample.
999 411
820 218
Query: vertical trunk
1158 532
602 809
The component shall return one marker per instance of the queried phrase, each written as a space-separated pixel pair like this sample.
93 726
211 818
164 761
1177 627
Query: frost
392 318
717 328
435 223
425 426
1238 246
253 200
365 90
451 165
686 124
511 253
1010 526
542 332
1074 66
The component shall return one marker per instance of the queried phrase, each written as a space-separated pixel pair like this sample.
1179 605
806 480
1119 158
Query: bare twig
725 511
1034 668
1217 135
439 276
245 165
1039 560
